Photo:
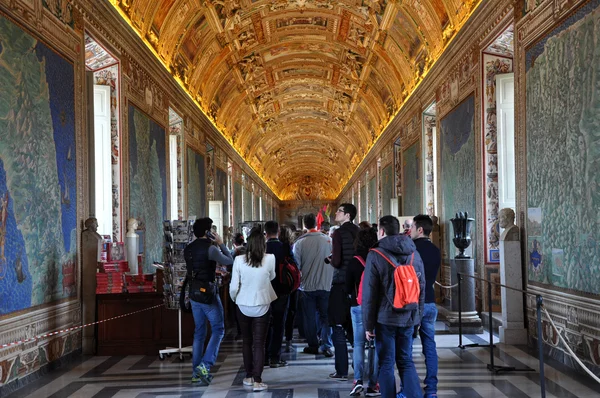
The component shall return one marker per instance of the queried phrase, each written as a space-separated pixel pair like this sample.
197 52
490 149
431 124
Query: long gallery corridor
145 145
462 374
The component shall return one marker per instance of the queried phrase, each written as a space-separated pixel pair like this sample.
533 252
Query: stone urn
462 226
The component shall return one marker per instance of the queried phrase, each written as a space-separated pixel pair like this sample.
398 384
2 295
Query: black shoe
357 389
278 364
310 350
337 377
327 352
267 363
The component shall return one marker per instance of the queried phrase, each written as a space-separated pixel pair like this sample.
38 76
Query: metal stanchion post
490 326
539 302
460 342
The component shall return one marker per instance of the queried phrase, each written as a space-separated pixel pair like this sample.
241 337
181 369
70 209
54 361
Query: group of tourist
351 281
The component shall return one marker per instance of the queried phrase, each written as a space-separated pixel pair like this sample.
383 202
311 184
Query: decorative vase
462 226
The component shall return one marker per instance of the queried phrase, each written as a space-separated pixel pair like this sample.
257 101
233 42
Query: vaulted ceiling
300 88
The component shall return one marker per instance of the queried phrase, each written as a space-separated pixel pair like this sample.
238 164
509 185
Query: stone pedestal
90 247
131 246
513 329
471 323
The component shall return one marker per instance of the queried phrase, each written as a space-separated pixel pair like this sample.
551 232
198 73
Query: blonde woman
251 290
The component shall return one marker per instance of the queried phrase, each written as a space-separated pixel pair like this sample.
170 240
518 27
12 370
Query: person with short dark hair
392 328
239 245
325 227
339 304
285 236
365 239
310 252
201 257
253 293
364 225
279 307
420 230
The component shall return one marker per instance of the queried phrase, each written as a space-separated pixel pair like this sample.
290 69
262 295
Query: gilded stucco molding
467 40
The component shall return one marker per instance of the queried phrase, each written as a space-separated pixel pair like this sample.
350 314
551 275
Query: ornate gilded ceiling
300 88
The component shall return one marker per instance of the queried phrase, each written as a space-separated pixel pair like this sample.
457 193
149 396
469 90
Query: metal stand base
463 346
179 350
497 369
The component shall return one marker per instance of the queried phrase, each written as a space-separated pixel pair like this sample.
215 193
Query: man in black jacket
392 328
339 304
201 257
279 307
419 232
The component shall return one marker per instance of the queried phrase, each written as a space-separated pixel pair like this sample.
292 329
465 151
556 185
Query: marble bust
132 225
506 220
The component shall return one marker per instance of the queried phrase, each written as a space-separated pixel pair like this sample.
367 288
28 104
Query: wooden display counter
143 333
146 332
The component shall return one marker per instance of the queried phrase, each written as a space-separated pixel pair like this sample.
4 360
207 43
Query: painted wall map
37 173
237 205
563 154
412 201
387 188
363 203
373 200
221 193
247 200
147 182
196 184
458 167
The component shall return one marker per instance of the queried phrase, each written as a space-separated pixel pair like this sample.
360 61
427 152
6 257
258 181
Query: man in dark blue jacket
392 328
279 307
419 232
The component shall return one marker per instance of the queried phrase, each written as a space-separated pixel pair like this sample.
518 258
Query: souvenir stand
177 233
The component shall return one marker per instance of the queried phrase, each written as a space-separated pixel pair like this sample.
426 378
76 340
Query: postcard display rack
177 233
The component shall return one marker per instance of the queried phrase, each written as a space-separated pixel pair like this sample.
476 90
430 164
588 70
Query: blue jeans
394 345
214 314
427 334
358 356
310 304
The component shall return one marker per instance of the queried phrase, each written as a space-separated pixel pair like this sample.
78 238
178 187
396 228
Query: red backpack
289 276
362 277
406 284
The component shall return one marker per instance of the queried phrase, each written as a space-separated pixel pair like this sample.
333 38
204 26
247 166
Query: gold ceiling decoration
300 88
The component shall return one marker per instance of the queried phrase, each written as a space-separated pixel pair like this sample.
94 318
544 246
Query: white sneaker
248 381
259 387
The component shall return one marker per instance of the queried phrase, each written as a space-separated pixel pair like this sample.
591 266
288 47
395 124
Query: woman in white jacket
251 290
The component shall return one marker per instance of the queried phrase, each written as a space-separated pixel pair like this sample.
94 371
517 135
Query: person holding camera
253 293
201 257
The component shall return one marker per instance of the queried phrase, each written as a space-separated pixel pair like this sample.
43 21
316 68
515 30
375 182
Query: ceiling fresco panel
291 82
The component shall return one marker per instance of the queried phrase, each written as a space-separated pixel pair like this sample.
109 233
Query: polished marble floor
462 373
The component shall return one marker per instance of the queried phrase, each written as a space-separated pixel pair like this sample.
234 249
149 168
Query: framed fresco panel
237 205
563 156
221 192
148 182
38 176
387 188
457 143
196 184
412 197
373 200
363 203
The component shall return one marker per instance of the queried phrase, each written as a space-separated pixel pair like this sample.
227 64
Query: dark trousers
254 333
340 320
279 309
291 315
